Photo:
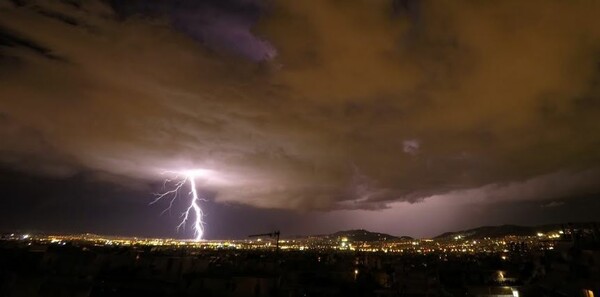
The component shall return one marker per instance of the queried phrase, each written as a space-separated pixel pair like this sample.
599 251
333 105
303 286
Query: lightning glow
193 211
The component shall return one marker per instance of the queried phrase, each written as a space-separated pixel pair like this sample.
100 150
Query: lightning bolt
193 211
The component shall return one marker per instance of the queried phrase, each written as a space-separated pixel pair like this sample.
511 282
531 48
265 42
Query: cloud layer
309 104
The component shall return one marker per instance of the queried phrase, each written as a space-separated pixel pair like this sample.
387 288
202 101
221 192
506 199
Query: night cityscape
561 262
300 148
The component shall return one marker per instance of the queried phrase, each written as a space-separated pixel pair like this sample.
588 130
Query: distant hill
364 235
490 231
505 230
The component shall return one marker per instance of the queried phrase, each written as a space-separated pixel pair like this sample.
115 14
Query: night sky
407 117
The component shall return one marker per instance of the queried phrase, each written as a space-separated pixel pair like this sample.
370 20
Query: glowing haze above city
409 117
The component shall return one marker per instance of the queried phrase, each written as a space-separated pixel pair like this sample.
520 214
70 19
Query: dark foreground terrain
29 268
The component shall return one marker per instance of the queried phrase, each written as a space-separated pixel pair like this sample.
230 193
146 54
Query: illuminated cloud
411 146
308 104
553 204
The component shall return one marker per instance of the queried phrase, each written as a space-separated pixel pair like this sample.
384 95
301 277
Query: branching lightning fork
178 180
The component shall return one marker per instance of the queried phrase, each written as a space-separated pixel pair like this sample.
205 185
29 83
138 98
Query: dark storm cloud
310 104
219 25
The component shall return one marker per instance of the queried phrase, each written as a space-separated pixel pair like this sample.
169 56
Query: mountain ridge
510 229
